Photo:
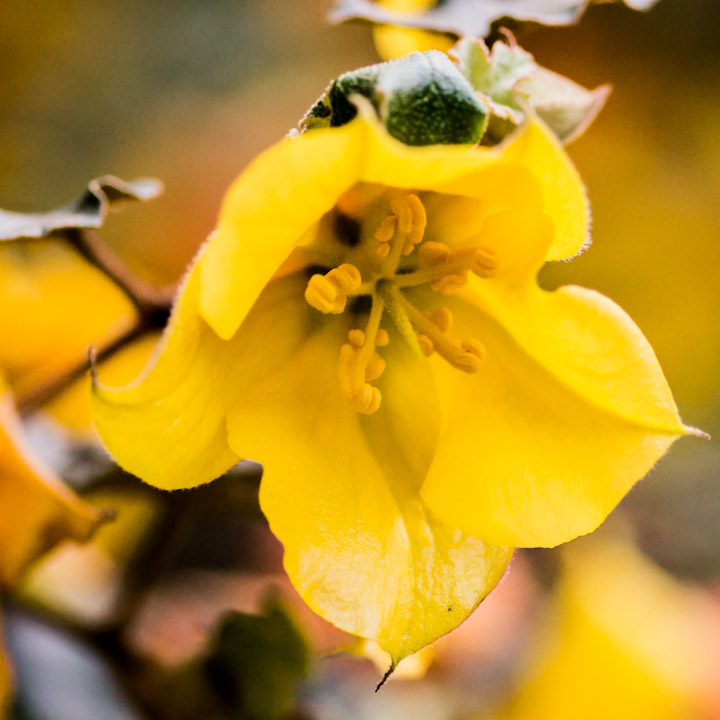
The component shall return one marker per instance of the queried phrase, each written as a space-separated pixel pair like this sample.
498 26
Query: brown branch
42 394
151 303
143 295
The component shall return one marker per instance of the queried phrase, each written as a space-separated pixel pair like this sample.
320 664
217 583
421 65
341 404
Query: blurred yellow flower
314 334
627 642
395 42
54 305
36 510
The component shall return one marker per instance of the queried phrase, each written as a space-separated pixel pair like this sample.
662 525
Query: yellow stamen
410 228
441 268
450 284
442 318
359 364
328 293
426 345
361 396
375 367
484 263
356 338
433 253
382 338
384 234
447 270
468 356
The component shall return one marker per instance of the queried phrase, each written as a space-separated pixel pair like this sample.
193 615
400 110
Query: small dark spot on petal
360 304
347 229
311 270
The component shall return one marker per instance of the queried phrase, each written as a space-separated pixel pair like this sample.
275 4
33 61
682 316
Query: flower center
445 270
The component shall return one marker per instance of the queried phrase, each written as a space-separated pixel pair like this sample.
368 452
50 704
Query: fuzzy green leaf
510 83
423 99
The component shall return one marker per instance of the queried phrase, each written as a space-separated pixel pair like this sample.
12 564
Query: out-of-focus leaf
257 661
60 678
36 510
470 17
87 211
568 108
509 81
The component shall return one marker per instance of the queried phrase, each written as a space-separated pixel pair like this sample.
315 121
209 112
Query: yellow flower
366 322
395 42
46 321
625 641
36 510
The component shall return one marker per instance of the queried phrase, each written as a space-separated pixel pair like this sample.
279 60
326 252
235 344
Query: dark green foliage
257 661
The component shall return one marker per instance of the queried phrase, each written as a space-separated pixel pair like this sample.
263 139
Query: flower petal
564 198
531 171
569 411
168 427
36 509
280 196
286 191
340 490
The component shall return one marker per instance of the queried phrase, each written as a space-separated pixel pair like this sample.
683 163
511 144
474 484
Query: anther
328 293
426 345
381 338
360 395
442 319
468 356
411 221
475 348
356 338
484 263
375 368
384 234
359 363
433 253
450 283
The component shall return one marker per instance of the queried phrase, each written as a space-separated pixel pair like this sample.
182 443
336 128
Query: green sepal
511 83
422 99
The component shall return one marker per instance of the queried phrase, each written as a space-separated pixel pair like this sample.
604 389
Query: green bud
422 99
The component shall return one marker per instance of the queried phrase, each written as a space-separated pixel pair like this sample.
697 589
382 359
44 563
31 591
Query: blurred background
189 91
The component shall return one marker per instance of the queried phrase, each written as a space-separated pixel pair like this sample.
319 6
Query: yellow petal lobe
36 510
571 409
564 197
628 642
340 490
266 211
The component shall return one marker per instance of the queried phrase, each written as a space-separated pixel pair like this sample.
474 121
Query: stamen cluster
443 269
